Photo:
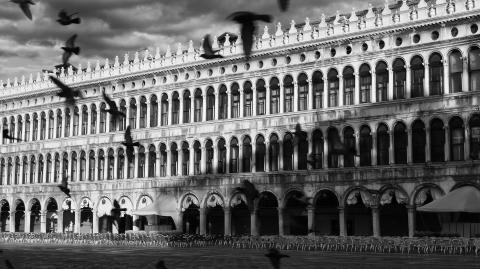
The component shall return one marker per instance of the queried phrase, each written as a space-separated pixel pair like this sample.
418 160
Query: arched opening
133 114
209 160
358 214
214 215
143 221
302 92
288 152
152 161
348 85
246 154
93 118
43 125
153 111
58 133
317 154
288 93
143 112
104 214
222 156
68 224
437 140
20 127
210 103
349 142
427 222
35 221
187 103
197 158
260 153
326 214
457 139
381 71
27 125
400 142
223 102
164 110
103 118
163 160
141 162
240 218
185 158
198 105
365 146
474 125
274 152
474 68
191 215
317 84
19 216
86 216
123 120
418 142
4 216
174 159
333 138
393 213
399 79
383 145
455 61
52 217
267 214
121 164
295 214
333 85
365 83
235 106
234 148
175 108
247 99
125 220
274 96
51 126
110 164
435 63
302 149
418 76
261 97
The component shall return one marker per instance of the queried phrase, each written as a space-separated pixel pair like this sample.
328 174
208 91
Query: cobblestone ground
43 257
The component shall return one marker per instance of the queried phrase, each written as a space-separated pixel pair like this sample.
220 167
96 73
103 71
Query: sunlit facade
399 84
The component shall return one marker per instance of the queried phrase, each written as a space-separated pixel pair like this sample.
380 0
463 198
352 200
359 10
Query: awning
162 206
463 199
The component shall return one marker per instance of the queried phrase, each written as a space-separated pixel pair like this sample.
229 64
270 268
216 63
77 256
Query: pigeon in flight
209 53
129 143
66 91
6 135
160 265
65 19
250 191
248 27
283 4
113 110
69 49
64 186
274 255
25 6
116 208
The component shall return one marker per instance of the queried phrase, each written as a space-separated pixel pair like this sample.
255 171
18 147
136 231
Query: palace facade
399 83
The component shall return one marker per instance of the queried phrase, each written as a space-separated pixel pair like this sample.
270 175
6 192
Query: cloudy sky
114 27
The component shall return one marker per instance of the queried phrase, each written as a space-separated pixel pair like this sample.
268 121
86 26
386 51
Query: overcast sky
114 27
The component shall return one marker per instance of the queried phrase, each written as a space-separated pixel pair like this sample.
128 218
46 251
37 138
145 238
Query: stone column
180 112
191 162
241 113
325 148
43 222
108 119
268 100
390 83
341 90
12 222
356 158
204 106
229 104
253 160
31 127
27 219
341 220
135 164
325 89
240 156
89 119
446 77
391 156
106 166
375 221
227 216
281 225
59 221
467 143
77 221
78 165
157 162
47 126
408 84
447 143
227 166
426 80
411 220
203 221
216 107
311 219
373 90
310 95
87 165
374 148
253 222
203 161
95 221
180 160
80 119
135 226
280 155
254 101
428 157
267 157
295 156
139 108
215 159
409 145
115 165
282 97
55 124
356 94
295 96
149 109
465 82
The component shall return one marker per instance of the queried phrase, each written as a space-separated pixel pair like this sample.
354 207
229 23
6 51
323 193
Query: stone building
396 83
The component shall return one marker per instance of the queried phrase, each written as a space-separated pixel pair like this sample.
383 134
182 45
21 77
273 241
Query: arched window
121 164
153 111
474 68
43 125
383 144
48 176
101 164
234 155
474 125
418 142
73 174
64 167
20 127
141 162
235 100
274 152
164 110
2 171
288 152
27 128
333 85
382 82
435 63
143 112
76 119
163 160
210 103
35 127
399 79
186 106
197 158
348 85
185 158
302 149
58 133
365 83
17 171
317 84
174 158
365 146
246 154
103 118
317 153
198 105
400 142
456 69
91 165
113 122
56 168
130 166
84 119
261 97
288 93
349 142
93 118
40 169
175 108
110 165
248 99
122 125
9 171
83 166
302 92
209 160
260 152
418 76
222 157
152 161
457 139
274 96
32 169
133 114
12 128
223 102
51 125
25 171
333 142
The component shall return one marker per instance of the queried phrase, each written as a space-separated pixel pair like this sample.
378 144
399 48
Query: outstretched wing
128 135
111 104
207 45
26 9
247 32
65 89
71 41
62 14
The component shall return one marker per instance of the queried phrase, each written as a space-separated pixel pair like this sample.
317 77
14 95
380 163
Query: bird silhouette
66 92
69 49
64 186
65 19
113 109
116 207
9 264
283 4
209 53
25 6
129 143
247 21
274 255
160 265
6 135
250 192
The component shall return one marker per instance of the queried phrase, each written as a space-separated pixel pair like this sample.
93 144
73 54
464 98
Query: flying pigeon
209 53
25 6
66 91
247 21
65 19
69 49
